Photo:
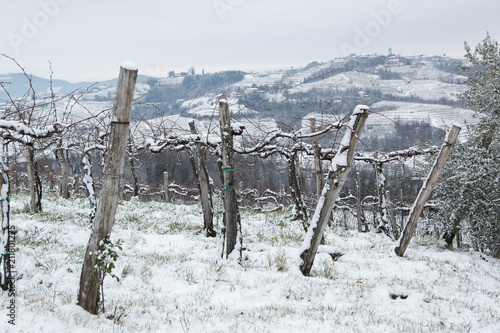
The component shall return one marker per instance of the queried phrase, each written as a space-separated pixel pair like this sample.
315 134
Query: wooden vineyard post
233 232
61 160
317 159
133 173
88 294
165 186
204 185
300 208
382 218
402 224
359 208
6 241
426 190
390 213
337 175
30 156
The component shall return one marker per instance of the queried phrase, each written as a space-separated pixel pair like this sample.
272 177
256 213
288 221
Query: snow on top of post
357 110
360 109
238 127
340 159
459 125
222 99
129 66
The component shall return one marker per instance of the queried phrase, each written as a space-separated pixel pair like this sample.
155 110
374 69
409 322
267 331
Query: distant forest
169 97
289 111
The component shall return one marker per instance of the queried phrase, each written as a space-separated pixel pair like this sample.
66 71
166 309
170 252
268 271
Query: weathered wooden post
402 209
233 234
300 208
6 241
165 186
317 159
30 169
88 294
359 209
133 173
381 214
61 160
204 185
390 212
426 190
337 175
88 182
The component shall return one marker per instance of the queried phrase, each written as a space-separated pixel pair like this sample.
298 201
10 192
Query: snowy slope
171 280
440 116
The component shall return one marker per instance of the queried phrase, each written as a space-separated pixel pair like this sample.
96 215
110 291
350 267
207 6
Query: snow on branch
177 141
397 155
294 135
17 131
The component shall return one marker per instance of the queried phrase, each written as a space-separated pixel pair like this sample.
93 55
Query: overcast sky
88 40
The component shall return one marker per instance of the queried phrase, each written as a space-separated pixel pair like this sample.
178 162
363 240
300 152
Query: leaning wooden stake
426 190
88 294
337 175
204 185
233 234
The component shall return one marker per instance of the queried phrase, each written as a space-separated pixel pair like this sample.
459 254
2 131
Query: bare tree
28 121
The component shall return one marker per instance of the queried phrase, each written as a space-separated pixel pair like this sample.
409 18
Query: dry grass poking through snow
171 280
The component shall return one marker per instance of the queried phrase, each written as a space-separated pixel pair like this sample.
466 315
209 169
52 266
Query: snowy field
171 280
386 113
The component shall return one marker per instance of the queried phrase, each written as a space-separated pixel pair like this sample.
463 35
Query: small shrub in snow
106 258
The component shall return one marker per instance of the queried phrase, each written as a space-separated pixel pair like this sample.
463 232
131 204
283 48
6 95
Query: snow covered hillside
397 89
172 281
407 89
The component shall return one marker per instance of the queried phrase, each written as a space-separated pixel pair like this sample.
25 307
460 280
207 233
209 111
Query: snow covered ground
171 280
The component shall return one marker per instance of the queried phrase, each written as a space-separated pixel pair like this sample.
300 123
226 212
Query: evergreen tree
469 196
